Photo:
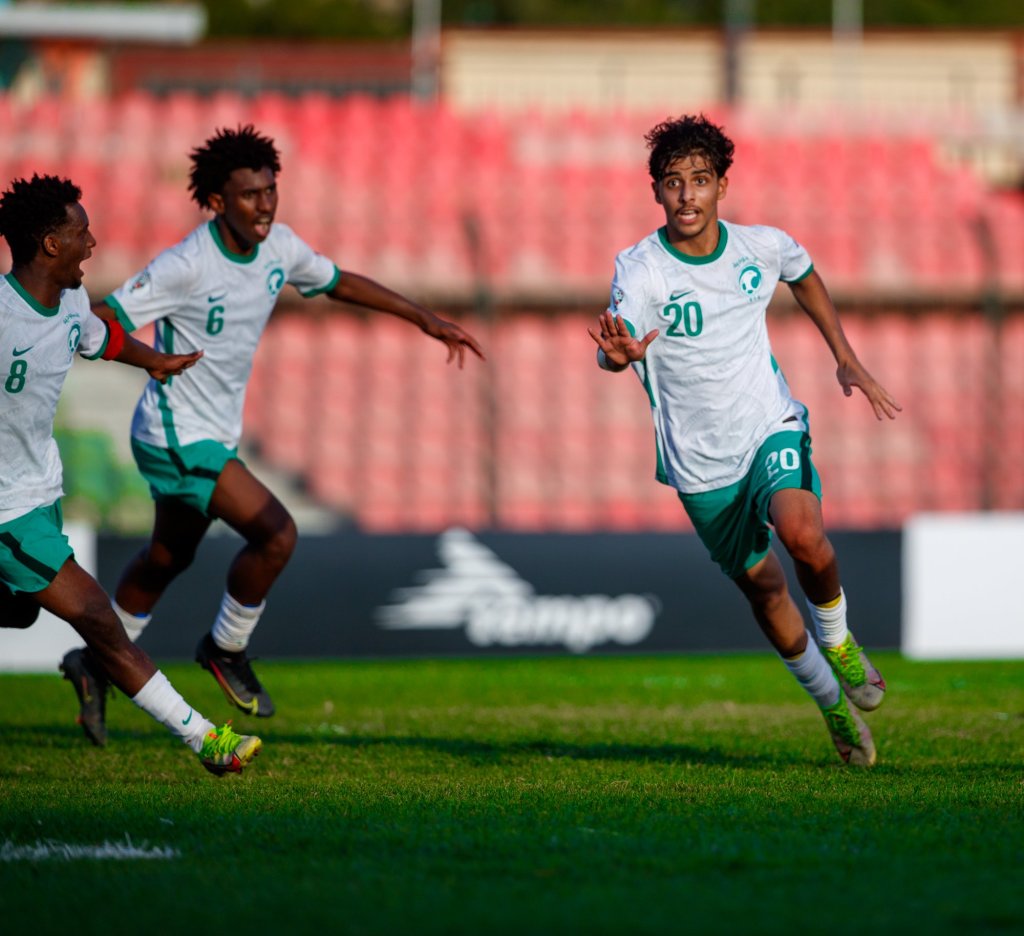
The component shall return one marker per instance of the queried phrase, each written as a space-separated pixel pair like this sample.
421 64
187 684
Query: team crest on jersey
140 282
74 337
750 280
275 281
617 296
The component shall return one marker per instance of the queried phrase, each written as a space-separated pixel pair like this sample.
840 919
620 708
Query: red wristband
115 340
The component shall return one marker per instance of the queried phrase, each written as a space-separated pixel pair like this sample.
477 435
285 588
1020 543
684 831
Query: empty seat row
541 438
526 205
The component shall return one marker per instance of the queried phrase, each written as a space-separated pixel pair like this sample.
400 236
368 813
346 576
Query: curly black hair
226 151
688 136
31 210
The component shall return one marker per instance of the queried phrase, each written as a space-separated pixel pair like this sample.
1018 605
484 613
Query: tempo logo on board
478 591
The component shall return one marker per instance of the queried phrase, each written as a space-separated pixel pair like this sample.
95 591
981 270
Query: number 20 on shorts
787 459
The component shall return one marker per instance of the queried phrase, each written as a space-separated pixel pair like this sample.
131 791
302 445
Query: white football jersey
716 392
203 297
37 346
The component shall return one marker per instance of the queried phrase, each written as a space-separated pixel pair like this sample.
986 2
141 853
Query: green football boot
849 734
226 752
859 679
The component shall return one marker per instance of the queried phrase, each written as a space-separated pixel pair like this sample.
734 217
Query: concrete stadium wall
677 70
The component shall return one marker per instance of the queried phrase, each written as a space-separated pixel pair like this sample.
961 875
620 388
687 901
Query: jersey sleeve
629 293
794 261
95 334
309 272
154 293
628 298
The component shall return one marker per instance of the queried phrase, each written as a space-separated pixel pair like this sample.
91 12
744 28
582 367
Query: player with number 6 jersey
688 314
203 295
216 290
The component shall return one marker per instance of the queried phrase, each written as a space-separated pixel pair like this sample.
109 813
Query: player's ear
216 202
723 185
50 244
657 192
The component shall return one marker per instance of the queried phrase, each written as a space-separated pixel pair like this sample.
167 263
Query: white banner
960 595
41 647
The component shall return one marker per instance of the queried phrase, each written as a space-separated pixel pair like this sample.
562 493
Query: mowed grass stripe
597 795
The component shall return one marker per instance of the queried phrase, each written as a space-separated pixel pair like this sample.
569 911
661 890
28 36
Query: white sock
830 621
134 624
235 624
159 699
812 671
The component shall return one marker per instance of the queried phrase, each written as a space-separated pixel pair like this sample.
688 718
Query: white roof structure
165 23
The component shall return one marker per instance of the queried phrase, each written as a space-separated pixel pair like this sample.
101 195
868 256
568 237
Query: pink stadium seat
536 208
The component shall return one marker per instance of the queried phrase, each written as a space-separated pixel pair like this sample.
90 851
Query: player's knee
167 562
279 543
770 598
806 543
765 589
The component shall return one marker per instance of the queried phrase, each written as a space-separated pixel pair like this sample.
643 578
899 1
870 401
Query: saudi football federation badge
275 280
750 281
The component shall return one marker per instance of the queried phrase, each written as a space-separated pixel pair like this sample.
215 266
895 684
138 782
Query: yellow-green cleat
849 734
859 679
224 751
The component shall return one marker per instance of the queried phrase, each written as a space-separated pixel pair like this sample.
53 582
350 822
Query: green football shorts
187 473
33 548
733 522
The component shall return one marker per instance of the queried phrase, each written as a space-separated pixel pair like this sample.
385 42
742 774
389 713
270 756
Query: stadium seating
523 205
530 208
541 438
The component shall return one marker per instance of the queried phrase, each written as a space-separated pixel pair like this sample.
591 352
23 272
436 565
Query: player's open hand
853 374
456 338
170 365
619 346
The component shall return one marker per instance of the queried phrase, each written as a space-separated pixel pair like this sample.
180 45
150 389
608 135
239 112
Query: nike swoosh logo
216 298
679 295
18 353
185 721
780 479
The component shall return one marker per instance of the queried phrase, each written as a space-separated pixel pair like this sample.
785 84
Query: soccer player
44 319
215 290
730 438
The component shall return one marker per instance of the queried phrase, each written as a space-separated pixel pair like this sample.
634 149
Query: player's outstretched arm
159 366
814 299
620 347
361 290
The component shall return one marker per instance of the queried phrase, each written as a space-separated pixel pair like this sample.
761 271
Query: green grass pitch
667 794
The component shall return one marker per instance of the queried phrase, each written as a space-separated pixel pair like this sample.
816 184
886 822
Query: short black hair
31 210
688 136
226 151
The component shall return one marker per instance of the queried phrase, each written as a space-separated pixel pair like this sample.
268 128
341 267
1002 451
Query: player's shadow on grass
486 752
